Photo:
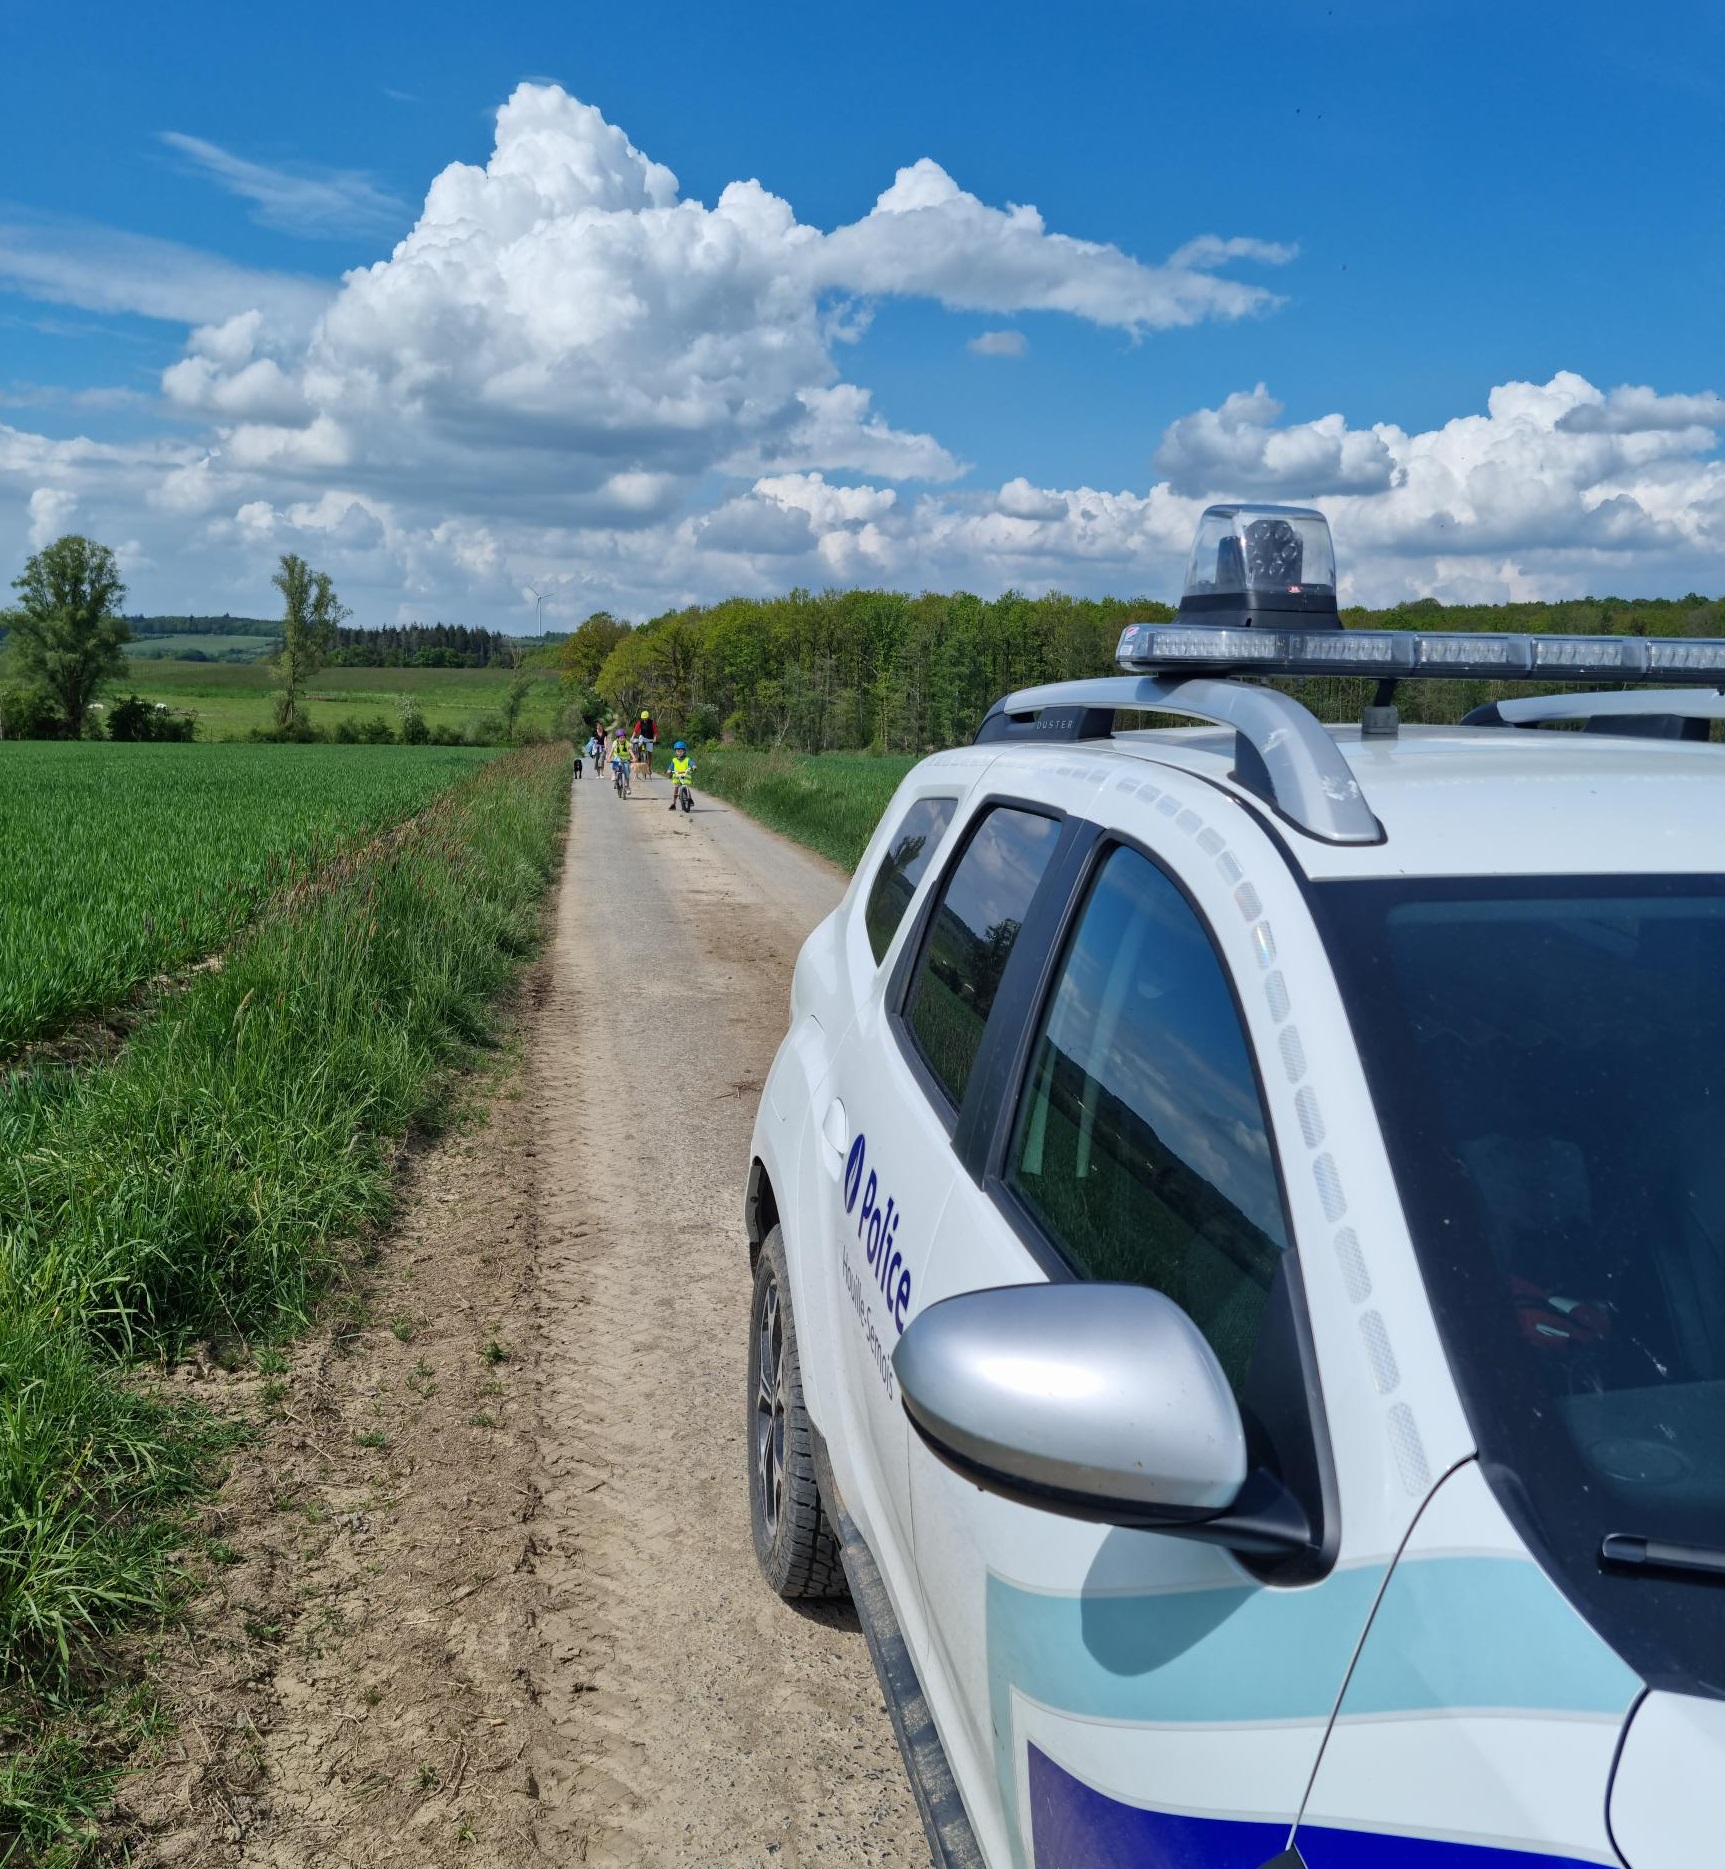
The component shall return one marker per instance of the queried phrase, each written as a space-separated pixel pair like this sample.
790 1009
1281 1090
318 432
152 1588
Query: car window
981 909
907 859
1140 1143
1547 1058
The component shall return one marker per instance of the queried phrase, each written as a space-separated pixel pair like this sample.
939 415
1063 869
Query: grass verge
829 801
199 1186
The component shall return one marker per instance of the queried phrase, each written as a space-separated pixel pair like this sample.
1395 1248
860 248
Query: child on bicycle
682 769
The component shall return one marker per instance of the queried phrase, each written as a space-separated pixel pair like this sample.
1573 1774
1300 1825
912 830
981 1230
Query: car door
1120 1696
887 1127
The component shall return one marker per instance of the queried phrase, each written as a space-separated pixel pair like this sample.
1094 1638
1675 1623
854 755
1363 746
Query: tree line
423 645
841 669
811 671
885 670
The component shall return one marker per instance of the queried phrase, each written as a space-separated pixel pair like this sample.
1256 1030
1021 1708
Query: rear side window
895 882
1141 1144
970 939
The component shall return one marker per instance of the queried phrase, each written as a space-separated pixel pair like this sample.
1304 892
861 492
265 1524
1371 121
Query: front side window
970 939
1141 1145
903 867
1547 1057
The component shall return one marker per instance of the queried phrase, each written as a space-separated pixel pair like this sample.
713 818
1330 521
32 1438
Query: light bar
1459 655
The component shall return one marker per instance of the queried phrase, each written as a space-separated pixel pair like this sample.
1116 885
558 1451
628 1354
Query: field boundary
201 1185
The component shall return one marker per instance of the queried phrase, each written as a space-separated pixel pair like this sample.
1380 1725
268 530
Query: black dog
577 765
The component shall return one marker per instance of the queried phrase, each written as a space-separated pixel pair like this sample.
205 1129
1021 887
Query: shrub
133 719
29 713
414 731
373 732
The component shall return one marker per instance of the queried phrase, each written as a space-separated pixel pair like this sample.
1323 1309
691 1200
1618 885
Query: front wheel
795 1545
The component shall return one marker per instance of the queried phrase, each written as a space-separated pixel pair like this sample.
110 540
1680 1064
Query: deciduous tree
311 615
67 632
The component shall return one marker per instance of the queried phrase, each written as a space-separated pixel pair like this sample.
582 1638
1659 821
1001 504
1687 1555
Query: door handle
835 1133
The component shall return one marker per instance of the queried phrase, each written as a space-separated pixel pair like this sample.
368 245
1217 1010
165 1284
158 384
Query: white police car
1238 1223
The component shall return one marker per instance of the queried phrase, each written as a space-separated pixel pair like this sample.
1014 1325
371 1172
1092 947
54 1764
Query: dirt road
692 1717
481 1588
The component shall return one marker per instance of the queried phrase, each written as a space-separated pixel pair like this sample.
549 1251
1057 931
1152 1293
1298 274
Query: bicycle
621 771
682 799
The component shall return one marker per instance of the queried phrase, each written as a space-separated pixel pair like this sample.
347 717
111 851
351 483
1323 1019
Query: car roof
1467 801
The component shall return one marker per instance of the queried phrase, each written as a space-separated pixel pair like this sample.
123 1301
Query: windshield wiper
1632 1553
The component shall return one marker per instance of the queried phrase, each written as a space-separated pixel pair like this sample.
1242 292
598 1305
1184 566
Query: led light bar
1686 661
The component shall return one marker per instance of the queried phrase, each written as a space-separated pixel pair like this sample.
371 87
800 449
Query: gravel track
691 1718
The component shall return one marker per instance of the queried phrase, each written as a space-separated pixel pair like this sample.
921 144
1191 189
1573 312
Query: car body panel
1054 1632
1482 1711
1669 1788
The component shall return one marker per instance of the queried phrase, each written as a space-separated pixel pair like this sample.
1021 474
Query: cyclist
682 769
620 760
645 735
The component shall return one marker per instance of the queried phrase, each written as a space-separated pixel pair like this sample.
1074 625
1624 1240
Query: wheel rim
770 1411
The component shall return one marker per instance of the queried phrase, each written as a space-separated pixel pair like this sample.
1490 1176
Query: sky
504 315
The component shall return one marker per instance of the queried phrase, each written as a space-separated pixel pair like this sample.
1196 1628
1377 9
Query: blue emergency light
1260 599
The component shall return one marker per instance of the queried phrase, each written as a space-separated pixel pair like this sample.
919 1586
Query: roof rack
1650 713
1281 753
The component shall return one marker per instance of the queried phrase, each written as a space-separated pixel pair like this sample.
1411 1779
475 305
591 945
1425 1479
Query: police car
1238 1231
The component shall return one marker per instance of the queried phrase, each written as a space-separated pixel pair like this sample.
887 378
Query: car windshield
1548 1062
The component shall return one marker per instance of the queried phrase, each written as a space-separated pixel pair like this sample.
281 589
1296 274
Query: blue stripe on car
1076 1827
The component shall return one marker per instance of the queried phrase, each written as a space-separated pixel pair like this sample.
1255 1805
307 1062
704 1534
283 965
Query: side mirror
1099 1402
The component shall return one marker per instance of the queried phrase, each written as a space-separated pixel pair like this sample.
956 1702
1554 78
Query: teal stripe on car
1235 1654
1480 1633
1220 1656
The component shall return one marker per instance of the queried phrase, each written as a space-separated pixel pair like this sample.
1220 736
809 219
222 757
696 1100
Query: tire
795 1545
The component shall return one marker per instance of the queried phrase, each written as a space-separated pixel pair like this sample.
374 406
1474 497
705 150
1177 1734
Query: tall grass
829 801
202 1181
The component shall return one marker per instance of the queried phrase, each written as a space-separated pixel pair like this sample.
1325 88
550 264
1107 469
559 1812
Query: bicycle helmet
679 748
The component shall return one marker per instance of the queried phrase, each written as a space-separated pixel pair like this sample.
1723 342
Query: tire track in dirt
686 1715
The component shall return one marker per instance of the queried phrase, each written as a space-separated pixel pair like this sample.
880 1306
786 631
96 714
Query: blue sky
1450 200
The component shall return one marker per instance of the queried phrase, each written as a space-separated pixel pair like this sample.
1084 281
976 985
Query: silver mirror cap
1092 1392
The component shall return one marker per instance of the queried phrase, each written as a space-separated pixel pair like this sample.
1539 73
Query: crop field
206 1177
829 801
229 700
118 863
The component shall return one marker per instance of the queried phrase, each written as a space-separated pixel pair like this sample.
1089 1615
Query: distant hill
143 627
202 639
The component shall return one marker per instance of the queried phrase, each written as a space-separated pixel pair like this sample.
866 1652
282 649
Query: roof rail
1280 751
1654 713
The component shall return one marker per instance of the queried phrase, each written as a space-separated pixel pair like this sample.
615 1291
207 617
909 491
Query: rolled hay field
200 1185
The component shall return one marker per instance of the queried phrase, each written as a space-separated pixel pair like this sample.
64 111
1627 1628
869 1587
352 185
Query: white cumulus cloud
1240 445
566 370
